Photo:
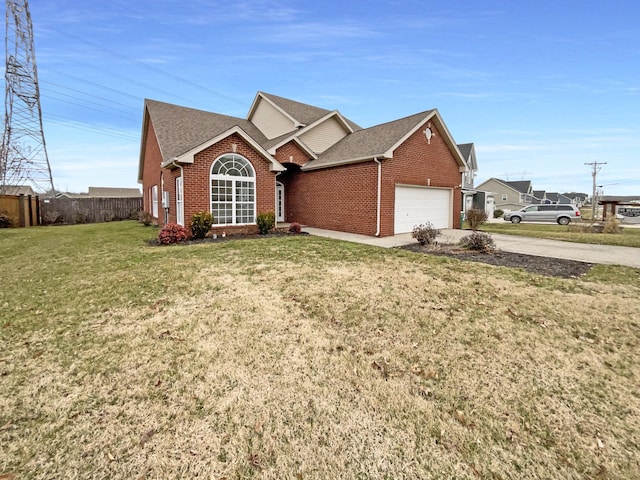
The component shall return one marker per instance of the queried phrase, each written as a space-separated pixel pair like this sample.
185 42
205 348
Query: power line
150 67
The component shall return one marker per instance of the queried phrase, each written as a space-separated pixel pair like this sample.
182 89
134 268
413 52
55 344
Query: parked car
562 214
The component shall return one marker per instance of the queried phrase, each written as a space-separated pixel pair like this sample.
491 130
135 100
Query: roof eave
189 156
293 138
369 158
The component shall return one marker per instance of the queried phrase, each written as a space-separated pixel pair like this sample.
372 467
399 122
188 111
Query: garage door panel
416 205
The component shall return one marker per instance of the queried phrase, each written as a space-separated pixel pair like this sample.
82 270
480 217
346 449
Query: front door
279 202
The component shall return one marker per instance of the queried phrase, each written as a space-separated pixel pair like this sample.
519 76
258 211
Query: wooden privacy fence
89 210
21 210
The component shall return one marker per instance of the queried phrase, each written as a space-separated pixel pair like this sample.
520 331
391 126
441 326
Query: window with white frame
504 197
154 201
233 186
179 202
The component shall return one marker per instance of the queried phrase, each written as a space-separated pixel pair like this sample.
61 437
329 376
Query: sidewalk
582 252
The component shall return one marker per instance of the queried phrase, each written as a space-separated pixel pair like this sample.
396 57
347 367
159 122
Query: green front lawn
303 357
630 237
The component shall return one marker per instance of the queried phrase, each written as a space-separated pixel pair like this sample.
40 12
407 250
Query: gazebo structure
627 206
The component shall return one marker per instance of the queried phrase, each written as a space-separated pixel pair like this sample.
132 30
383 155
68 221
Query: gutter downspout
379 194
175 164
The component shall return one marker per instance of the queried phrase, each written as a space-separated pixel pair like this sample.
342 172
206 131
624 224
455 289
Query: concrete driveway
582 252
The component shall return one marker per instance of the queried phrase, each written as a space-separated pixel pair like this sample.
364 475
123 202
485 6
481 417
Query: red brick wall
339 198
291 149
151 170
417 162
197 186
344 198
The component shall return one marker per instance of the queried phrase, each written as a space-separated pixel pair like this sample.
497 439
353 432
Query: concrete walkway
582 252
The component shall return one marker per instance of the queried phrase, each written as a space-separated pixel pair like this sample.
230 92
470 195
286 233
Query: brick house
306 164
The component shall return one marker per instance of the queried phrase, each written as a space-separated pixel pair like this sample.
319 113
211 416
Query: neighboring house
306 164
540 197
555 198
112 192
576 198
509 195
16 190
468 152
103 192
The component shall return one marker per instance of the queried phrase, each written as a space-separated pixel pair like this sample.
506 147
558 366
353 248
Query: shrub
145 218
266 222
5 221
201 224
498 213
295 227
172 233
425 233
476 217
479 241
81 217
612 225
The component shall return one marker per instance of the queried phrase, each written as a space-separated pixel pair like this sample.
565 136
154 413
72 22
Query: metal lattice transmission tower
23 158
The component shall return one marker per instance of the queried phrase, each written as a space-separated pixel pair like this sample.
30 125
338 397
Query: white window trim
233 179
179 201
504 197
154 201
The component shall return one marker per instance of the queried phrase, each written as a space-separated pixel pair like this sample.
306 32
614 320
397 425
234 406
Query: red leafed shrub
172 233
295 227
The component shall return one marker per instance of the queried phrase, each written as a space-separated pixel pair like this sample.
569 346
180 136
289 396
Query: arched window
233 186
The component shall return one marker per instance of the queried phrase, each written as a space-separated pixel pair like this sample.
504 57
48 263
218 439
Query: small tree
425 233
201 224
266 222
476 217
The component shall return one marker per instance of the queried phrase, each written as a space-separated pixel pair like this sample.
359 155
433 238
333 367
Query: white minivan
563 214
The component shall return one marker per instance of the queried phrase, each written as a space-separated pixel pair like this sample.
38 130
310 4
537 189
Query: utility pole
595 169
23 155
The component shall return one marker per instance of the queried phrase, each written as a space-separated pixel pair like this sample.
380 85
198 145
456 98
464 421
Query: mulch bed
554 267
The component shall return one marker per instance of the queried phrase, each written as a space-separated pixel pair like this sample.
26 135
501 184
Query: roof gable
503 183
380 141
468 151
317 137
181 131
522 186
301 114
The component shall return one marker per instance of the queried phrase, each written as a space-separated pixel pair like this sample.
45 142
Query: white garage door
416 205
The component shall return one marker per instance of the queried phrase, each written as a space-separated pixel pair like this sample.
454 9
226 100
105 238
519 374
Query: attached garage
415 205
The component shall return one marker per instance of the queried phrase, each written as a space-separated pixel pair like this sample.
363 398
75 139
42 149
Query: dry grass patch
308 358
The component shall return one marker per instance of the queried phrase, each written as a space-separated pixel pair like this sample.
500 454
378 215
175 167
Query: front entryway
279 202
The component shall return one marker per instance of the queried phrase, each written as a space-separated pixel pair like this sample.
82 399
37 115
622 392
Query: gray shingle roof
179 129
465 149
367 143
521 186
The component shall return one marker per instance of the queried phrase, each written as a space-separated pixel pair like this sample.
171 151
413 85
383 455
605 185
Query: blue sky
541 88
